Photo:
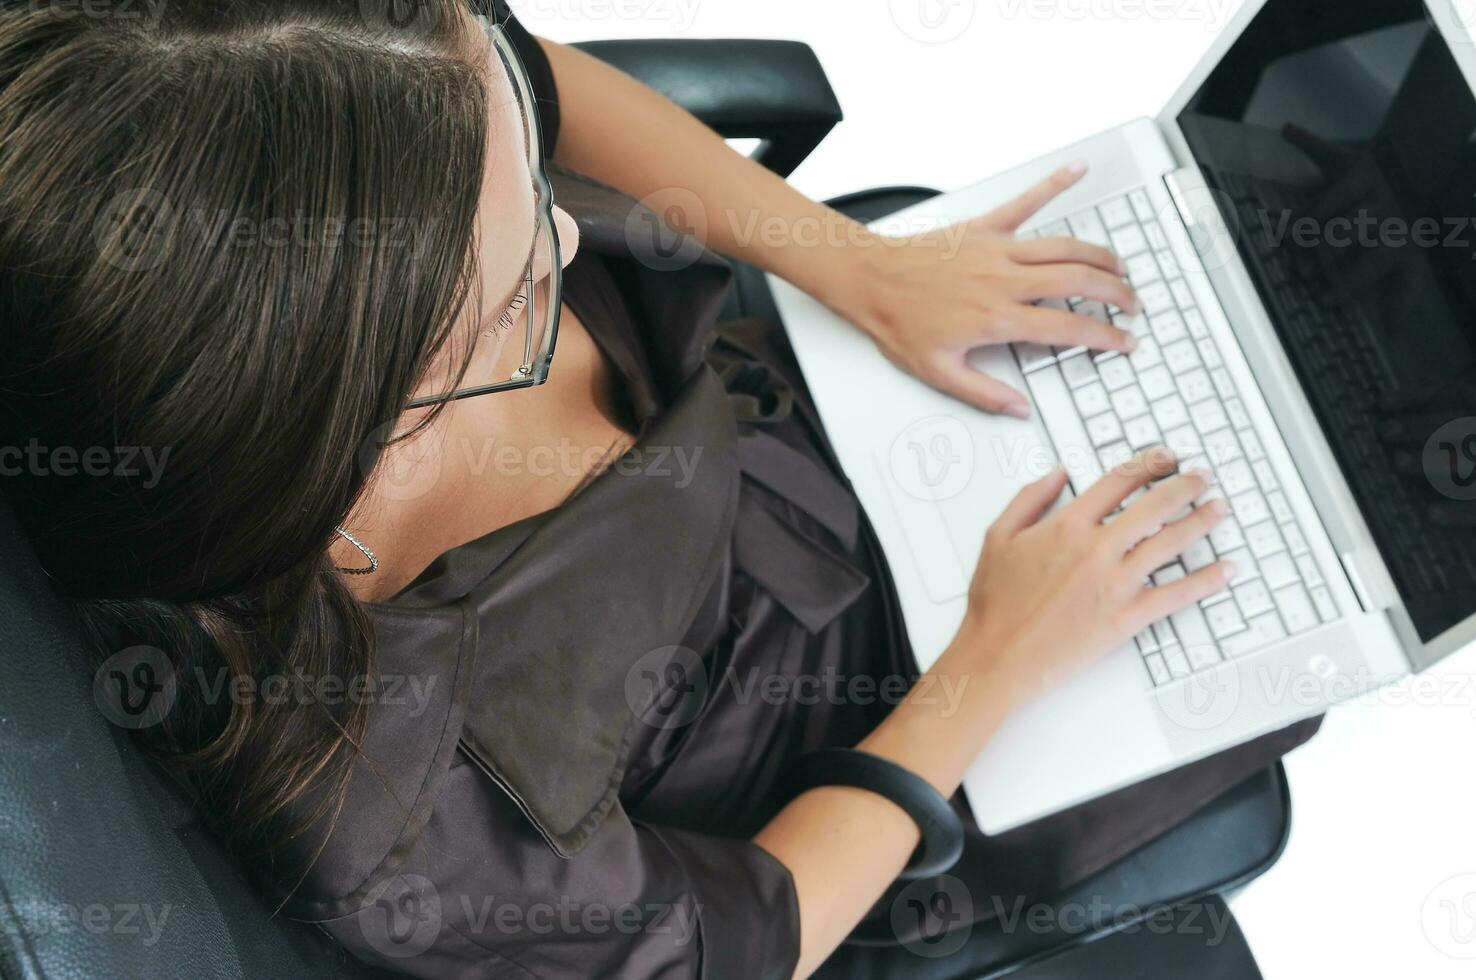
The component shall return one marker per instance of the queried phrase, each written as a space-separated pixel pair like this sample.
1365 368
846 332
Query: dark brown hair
232 234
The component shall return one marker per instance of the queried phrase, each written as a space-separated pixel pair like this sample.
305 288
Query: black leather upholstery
773 91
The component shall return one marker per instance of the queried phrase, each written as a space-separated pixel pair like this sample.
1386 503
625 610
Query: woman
308 250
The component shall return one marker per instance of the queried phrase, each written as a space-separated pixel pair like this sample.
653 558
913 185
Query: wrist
843 272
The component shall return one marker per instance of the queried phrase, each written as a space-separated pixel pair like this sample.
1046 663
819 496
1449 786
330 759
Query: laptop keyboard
1101 409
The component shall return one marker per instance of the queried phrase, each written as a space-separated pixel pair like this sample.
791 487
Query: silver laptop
1298 224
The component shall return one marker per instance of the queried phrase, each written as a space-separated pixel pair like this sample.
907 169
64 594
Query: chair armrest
773 91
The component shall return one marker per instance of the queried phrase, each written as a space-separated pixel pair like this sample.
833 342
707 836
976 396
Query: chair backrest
104 869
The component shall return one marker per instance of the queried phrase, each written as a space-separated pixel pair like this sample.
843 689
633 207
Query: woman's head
236 239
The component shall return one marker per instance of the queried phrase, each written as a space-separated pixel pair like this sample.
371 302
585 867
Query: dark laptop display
1343 137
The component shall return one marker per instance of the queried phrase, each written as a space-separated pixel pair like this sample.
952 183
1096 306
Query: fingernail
1130 343
1076 168
1019 410
1122 267
1218 507
1228 569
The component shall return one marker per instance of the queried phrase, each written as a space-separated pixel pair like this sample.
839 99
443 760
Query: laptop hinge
1365 598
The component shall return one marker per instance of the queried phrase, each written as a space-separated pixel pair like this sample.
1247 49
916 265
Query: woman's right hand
1051 594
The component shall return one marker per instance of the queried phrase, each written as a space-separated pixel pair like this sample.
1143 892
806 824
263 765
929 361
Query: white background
1379 879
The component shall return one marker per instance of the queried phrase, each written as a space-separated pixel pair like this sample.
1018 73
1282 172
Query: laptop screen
1342 138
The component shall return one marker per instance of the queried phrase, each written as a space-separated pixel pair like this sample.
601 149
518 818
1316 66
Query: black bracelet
942 831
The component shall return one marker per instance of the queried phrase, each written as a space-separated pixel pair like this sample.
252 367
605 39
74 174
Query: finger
1156 508
952 375
1068 280
1104 496
1030 503
1162 601
1158 550
1044 325
1009 216
1039 251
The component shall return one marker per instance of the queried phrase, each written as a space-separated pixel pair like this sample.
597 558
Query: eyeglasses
535 309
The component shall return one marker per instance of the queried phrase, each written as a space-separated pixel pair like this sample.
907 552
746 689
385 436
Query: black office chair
106 872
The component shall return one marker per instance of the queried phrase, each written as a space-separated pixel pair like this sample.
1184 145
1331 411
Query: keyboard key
1167 327
1094 310
1184 441
1280 508
1147 355
1253 598
1279 570
1141 433
1222 447
1116 212
1237 414
1307 568
1142 205
1326 608
1209 353
1078 370
1245 566
1128 403
1297 610
1156 382
1104 429
1170 412
1167 263
1201 656
1195 386
1128 241
1198 555
1115 455
1224 619
1253 447
1263 539
1250 508
1236 477
1266 476
1089 228
1165 634
1227 536
1142 269
1157 669
1155 236
1224 384
1182 294
1156 299
1091 399
1056 229
1194 320
1033 356
1117 373
1167 575
1147 642
1178 666
1208 416
1134 323
1181 357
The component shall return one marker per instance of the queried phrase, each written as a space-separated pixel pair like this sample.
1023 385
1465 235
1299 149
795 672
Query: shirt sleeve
481 894
540 74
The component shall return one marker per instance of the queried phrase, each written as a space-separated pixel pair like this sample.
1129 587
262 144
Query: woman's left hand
928 299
